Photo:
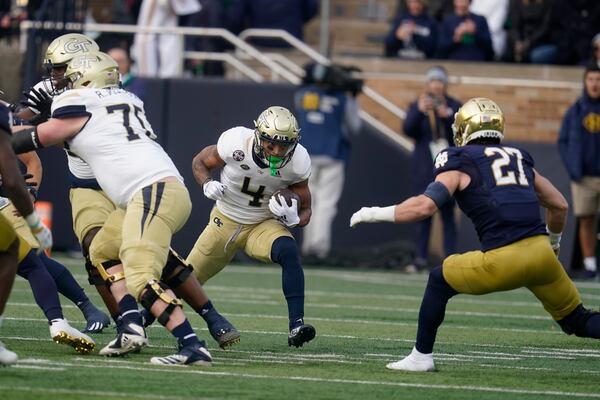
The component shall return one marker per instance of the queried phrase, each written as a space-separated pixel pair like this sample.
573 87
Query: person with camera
412 34
429 123
328 114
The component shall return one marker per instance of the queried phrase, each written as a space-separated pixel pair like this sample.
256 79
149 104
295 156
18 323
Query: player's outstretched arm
54 131
554 202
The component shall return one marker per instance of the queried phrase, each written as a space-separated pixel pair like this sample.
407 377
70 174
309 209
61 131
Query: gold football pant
140 236
7 233
89 208
223 237
529 263
26 239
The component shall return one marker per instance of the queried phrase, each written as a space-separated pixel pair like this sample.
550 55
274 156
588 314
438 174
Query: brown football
288 195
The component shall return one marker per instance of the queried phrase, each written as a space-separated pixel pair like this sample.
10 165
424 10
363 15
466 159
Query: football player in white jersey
106 126
254 164
89 205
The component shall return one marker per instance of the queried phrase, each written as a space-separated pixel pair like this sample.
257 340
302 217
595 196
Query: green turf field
501 346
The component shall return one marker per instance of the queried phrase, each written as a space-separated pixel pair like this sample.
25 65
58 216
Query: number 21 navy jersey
501 199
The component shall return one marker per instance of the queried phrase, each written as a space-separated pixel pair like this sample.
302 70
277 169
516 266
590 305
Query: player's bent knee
157 291
176 270
575 323
284 248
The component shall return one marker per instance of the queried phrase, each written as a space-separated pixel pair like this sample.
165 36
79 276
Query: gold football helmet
60 51
92 70
478 118
276 125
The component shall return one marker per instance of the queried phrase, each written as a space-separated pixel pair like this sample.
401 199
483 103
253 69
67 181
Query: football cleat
63 333
195 354
414 362
96 322
224 333
7 357
131 338
302 333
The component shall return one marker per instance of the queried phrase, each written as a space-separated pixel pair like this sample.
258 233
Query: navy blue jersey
5 119
501 199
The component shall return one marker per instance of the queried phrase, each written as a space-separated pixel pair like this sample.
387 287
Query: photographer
327 113
429 123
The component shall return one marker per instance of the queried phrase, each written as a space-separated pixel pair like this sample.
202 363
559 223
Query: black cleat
301 334
224 333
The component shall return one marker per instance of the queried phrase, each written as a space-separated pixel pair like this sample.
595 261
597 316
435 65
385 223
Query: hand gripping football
288 195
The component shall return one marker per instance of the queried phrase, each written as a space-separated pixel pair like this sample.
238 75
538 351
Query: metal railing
278 65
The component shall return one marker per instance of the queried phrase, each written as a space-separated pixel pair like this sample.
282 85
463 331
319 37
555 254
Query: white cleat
414 362
62 332
131 340
7 357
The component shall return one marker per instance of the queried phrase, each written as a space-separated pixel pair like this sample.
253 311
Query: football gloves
287 215
40 231
373 214
41 101
214 190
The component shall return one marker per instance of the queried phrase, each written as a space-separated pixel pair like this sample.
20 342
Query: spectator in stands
495 13
160 55
289 15
577 23
436 9
579 144
595 58
413 33
211 15
328 114
464 35
533 24
429 123
128 81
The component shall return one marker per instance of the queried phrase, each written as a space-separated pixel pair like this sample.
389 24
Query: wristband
554 238
33 220
386 214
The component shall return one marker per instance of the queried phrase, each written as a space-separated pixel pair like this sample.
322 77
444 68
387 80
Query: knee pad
106 277
176 270
155 291
575 322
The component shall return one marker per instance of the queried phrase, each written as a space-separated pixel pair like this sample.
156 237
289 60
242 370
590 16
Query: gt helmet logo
77 45
84 62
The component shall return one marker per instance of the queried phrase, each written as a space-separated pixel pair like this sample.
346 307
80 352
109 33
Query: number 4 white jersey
249 184
117 141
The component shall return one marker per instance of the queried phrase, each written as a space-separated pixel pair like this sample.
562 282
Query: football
288 195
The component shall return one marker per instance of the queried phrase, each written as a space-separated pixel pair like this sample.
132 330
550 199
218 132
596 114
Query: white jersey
116 141
249 187
79 168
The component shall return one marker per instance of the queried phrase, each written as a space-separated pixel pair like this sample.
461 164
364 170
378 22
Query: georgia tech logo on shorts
218 222
76 46
238 155
84 62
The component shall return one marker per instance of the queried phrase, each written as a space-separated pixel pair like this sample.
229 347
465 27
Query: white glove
214 190
288 215
40 231
554 240
373 214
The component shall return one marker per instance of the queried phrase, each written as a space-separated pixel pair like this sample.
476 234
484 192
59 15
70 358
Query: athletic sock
185 334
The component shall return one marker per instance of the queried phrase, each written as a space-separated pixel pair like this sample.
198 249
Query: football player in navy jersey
498 188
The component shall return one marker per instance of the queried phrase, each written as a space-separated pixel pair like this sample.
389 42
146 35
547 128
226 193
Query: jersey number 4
138 113
257 195
502 168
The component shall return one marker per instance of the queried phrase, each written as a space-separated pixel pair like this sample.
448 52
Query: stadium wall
188 115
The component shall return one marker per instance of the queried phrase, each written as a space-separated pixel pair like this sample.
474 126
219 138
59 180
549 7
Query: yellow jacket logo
591 122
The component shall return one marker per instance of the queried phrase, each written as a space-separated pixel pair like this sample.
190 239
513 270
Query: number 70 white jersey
117 141
249 184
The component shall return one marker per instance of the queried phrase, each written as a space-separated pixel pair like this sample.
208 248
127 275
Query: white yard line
99 364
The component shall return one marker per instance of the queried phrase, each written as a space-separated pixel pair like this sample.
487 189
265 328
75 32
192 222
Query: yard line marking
96 364
535 368
21 366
